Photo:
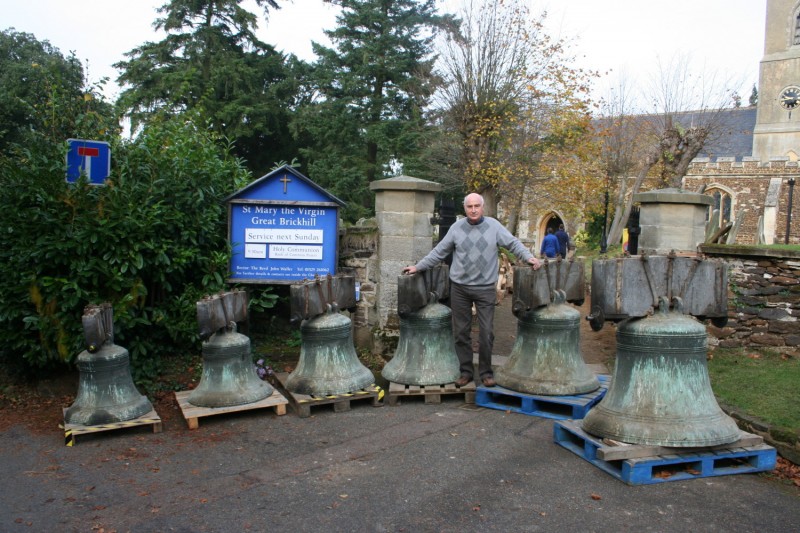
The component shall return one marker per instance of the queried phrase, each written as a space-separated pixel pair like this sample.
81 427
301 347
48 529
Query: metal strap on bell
328 361
546 356
660 393
106 393
229 377
426 350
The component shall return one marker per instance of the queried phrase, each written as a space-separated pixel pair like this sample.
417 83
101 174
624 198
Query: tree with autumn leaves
517 109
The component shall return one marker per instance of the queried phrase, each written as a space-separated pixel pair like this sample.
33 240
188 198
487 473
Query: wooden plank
301 403
341 402
621 450
71 431
432 394
193 413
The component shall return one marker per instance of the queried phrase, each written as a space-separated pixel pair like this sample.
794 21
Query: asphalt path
412 467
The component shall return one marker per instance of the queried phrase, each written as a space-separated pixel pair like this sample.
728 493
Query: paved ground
413 467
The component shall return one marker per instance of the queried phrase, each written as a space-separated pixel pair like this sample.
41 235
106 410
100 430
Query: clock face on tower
790 97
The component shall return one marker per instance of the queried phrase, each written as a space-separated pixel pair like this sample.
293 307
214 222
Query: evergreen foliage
372 86
42 95
152 241
212 63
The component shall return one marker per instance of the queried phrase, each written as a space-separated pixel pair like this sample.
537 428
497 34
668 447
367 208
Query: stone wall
358 254
763 313
763 299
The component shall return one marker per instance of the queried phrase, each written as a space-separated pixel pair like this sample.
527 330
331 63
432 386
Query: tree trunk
514 207
490 202
625 201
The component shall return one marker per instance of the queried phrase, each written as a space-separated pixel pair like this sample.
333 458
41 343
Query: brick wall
748 182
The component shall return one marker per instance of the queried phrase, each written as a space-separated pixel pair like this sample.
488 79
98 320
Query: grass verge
764 384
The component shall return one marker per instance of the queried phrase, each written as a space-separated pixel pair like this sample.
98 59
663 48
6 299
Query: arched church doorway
550 220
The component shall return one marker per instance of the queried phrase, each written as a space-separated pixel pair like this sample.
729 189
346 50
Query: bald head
473 207
473 198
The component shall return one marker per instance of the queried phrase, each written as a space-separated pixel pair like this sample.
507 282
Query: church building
751 177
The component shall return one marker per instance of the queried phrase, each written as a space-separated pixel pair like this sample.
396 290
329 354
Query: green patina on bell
229 377
546 355
106 393
426 352
328 361
661 393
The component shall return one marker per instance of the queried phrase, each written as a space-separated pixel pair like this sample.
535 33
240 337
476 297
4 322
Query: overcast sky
609 35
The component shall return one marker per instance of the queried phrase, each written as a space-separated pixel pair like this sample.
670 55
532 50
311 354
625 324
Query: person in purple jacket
474 241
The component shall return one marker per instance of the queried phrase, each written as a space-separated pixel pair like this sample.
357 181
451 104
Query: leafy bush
152 241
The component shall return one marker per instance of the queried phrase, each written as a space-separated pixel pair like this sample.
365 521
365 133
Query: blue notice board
283 228
92 158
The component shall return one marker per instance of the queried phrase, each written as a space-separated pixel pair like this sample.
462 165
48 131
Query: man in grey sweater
474 241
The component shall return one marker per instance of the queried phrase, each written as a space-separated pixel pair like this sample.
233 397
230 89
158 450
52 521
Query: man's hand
535 263
410 270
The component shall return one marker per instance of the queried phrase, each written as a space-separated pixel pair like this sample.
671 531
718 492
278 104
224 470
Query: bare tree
688 112
505 78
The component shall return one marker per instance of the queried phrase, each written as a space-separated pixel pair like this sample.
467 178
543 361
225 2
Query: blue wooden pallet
556 407
683 464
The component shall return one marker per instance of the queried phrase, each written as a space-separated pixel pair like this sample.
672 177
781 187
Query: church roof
736 137
731 136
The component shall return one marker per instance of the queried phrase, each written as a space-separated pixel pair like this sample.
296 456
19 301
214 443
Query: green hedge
152 241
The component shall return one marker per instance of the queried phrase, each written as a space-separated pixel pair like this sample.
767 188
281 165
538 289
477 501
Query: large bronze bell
660 393
228 377
106 393
328 361
546 356
426 351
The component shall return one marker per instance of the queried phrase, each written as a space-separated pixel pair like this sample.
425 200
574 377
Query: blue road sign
92 158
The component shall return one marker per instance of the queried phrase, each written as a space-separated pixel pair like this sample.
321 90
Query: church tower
777 130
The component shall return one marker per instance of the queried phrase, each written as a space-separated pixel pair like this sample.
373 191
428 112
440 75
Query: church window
723 202
796 39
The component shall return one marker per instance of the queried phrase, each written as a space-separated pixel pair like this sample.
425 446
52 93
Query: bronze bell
426 351
228 377
328 361
106 393
660 393
546 356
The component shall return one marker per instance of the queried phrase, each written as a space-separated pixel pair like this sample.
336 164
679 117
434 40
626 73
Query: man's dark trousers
461 299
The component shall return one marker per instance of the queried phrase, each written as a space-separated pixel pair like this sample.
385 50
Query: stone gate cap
672 196
405 183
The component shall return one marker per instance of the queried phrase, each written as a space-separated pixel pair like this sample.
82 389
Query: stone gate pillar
672 219
403 209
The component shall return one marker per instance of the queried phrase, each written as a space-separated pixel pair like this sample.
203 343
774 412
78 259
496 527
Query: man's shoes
463 380
488 381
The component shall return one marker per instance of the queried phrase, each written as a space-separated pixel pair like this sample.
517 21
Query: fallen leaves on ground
787 470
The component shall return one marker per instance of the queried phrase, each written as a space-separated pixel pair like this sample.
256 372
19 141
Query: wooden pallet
431 393
301 403
71 431
557 407
193 413
746 455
